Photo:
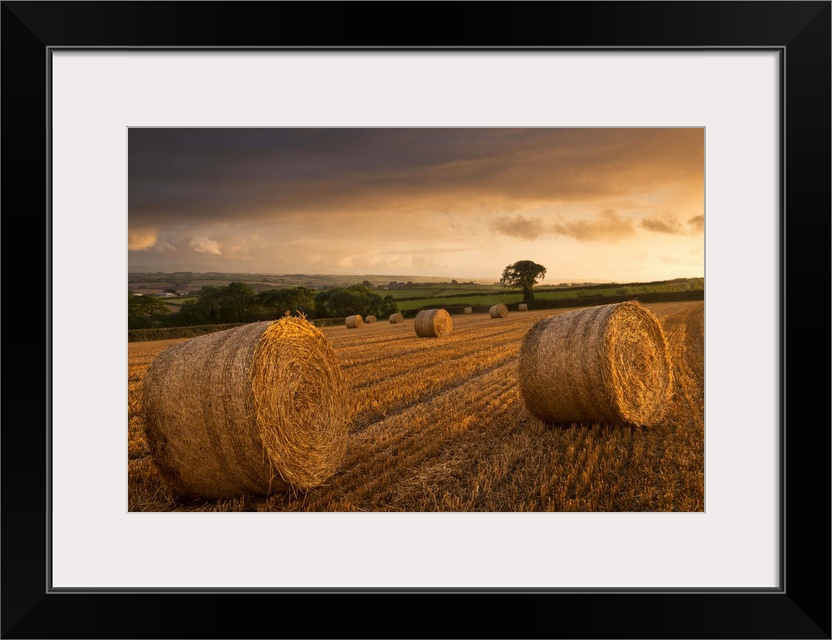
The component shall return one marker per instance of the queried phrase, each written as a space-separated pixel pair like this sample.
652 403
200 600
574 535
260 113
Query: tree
346 301
388 306
216 305
523 275
236 299
273 303
144 311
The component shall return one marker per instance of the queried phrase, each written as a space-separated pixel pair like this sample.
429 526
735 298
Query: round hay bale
608 364
253 409
498 311
396 318
353 322
433 323
523 307
370 319
469 310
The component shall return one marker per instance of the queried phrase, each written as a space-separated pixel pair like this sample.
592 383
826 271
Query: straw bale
523 307
433 323
370 319
469 310
255 409
607 364
396 318
498 311
353 322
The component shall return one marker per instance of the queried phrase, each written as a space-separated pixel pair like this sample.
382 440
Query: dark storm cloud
204 176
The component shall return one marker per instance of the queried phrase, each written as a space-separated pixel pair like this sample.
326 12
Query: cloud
196 176
141 239
665 224
161 246
608 227
670 224
203 244
519 227
697 224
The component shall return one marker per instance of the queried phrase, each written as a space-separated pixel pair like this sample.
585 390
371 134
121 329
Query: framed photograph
111 110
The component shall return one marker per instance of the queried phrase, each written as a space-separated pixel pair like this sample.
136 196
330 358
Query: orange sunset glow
601 204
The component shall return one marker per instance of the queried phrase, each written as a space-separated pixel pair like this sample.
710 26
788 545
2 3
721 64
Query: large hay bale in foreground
498 311
433 323
254 409
469 310
523 307
396 318
370 319
353 322
607 364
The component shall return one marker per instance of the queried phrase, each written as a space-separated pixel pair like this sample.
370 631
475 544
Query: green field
410 296
422 297
437 292
507 297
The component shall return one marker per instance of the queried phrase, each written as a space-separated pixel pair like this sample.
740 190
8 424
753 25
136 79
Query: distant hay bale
396 318
255 409
523 307
433 323
469 310
607 364
370 319
498 311
353 322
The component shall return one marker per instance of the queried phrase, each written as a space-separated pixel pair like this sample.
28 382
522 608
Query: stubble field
439 425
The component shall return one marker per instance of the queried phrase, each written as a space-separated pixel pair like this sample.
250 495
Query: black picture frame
799 608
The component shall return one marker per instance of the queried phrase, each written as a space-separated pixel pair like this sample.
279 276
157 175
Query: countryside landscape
239 379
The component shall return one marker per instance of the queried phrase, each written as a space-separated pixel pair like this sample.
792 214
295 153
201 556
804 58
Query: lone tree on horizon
523 274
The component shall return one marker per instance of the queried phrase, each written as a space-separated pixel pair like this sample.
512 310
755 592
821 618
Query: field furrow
396 444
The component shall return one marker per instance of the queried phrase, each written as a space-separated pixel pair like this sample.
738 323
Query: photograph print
416 319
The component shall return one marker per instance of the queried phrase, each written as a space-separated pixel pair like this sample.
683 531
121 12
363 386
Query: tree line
238 302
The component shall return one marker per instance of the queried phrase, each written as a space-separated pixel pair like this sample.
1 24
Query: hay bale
433 323
254 409
498 311
608 364
469 310
396 318
523 306
353 322
370 319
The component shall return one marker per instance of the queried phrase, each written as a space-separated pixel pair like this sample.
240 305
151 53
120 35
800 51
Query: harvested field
440 425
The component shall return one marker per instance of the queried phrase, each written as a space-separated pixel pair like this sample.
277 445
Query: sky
594 204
